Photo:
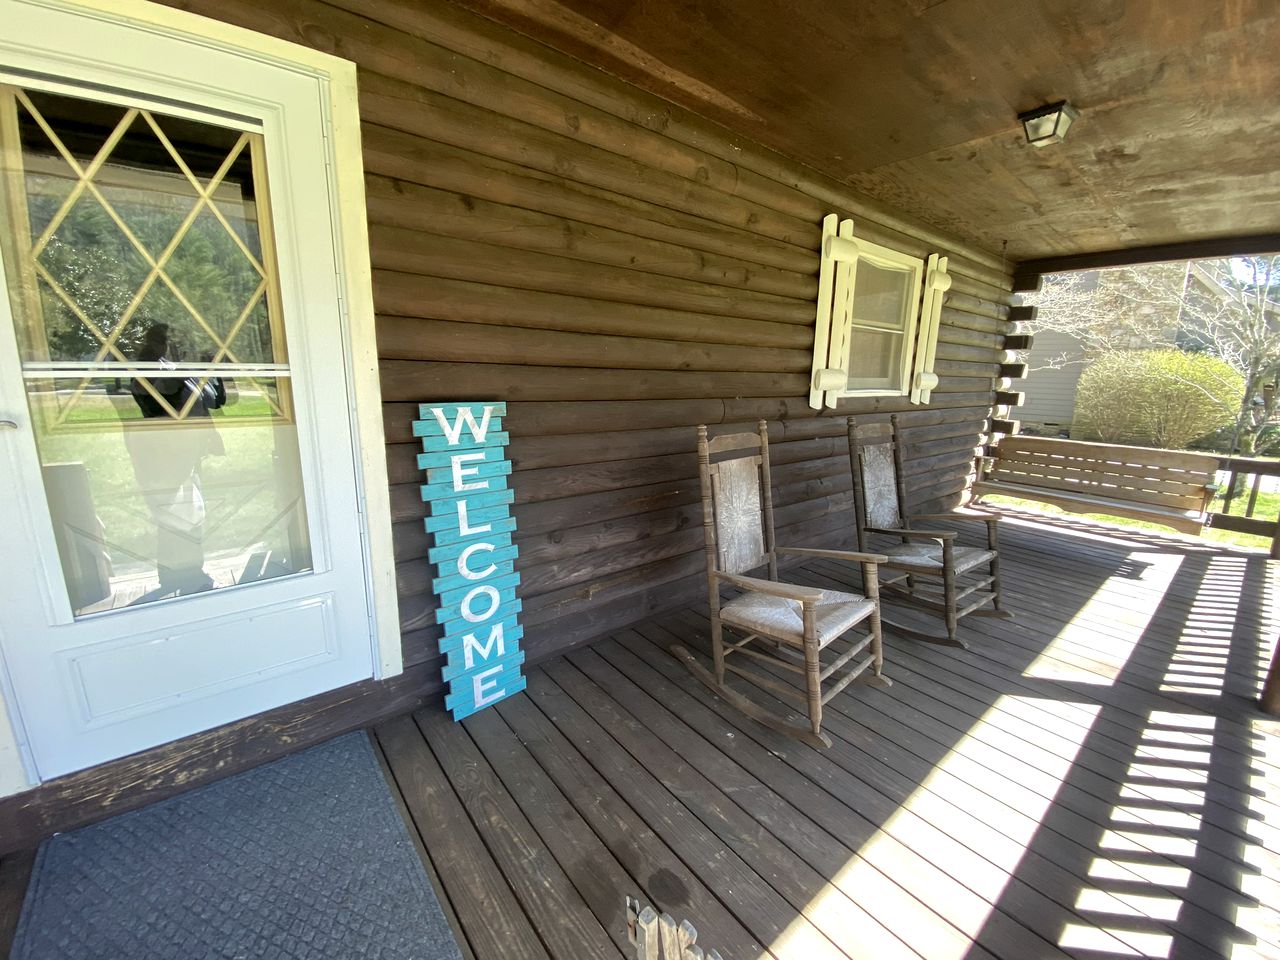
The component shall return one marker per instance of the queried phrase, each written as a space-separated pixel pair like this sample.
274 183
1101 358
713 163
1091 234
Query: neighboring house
1055 362
226 561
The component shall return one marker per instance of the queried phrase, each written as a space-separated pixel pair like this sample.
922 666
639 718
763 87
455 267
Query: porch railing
1238 508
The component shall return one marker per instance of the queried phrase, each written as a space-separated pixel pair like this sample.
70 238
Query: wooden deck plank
670 884
998 792
487 909
1088 795
1059 867
15 872
1026 639
551 902
761 909
1108 760
888 837
899 899
599 877
702 791
1116 611
962 847
1221 858
438 888
1034 720
977 810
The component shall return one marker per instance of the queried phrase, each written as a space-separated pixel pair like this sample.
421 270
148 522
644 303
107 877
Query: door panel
188 551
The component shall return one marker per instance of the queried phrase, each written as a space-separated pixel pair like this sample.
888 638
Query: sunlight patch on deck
1118 614
919 822
1078 936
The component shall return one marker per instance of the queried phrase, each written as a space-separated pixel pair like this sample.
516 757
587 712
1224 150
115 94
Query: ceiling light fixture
1048 124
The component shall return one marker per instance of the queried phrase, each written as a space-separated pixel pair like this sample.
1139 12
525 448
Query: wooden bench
1169 487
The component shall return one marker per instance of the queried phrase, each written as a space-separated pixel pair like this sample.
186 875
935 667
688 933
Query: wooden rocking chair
932 572
797 628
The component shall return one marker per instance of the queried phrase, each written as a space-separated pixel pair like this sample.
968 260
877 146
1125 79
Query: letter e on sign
460 473
487 690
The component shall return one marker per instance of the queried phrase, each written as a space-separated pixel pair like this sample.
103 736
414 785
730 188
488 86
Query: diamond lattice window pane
216 277
153 202
96 271
187 339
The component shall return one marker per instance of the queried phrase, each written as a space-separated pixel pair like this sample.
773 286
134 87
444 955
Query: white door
182 537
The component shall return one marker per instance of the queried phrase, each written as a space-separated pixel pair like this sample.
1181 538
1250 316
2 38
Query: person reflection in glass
167 451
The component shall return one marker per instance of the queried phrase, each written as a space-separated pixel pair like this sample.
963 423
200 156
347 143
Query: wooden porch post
1270 700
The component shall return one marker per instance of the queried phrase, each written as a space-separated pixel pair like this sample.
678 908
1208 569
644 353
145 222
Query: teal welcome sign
465 459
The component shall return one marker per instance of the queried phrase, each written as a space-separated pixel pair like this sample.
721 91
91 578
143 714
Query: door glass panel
140 267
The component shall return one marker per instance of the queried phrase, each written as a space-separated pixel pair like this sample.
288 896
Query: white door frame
337 80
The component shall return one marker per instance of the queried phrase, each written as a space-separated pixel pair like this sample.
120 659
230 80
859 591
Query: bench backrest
1164 478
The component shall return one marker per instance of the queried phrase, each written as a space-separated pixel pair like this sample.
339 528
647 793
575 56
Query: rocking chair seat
927 557
780 618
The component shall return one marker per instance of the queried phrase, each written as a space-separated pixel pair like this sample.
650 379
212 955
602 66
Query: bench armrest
788 591
834 554
915 534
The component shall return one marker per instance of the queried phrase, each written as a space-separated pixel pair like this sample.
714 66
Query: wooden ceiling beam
1027 274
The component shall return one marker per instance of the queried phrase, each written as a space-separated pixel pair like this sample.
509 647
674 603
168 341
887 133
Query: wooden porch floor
1088 780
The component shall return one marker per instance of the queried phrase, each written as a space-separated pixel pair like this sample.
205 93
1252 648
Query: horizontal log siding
618 271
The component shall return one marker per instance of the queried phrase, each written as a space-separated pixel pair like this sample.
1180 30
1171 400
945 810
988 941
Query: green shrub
1161 398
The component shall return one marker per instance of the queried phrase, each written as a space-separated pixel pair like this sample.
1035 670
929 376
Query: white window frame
836 324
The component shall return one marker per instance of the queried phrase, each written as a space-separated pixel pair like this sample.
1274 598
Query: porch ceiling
914 102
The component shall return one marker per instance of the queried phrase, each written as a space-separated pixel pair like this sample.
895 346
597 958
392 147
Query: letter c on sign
466 571
469 614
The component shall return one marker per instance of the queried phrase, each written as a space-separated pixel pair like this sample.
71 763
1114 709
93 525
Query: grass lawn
1266 508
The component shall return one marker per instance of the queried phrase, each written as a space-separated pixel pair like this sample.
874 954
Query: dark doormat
304 858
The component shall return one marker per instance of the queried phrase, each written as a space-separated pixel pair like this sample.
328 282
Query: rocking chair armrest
914 534
853 555
958 515
788 591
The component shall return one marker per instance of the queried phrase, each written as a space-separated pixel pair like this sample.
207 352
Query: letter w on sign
464 457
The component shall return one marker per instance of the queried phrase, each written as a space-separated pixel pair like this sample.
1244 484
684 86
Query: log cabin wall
618 271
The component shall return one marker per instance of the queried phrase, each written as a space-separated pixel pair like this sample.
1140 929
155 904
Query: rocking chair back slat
733 441
739 515
880 486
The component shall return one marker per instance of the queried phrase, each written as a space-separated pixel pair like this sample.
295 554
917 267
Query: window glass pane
875 358
132 243
146 506
880 295
137 244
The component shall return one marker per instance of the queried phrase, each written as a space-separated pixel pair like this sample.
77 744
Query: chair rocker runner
930 571
795 628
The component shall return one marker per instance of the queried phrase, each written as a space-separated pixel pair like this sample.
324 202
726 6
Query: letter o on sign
469 614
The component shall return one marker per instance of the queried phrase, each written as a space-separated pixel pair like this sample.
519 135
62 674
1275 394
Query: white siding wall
1051 391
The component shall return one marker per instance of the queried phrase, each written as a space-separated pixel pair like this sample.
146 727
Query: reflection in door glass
139 261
